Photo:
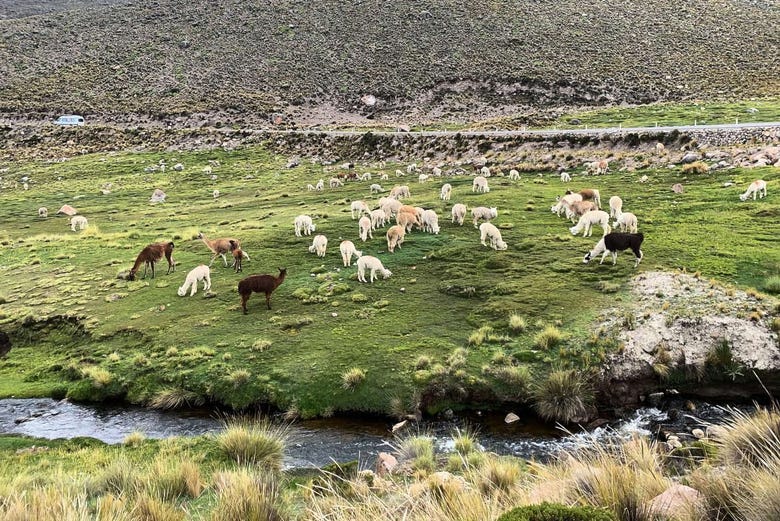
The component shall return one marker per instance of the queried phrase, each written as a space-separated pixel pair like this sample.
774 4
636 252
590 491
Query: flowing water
315 443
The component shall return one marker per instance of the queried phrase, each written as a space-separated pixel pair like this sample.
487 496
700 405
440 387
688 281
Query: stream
314 443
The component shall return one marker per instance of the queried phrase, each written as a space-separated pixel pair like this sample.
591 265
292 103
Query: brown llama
150 255
260 284
238 256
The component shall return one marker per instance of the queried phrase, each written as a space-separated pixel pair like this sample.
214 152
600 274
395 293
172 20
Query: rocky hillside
236 62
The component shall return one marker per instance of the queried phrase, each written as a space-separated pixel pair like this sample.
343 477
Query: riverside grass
78 331
190 478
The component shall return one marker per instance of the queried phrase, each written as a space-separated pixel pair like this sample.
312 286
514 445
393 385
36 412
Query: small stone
698 433
209 294
677 498
334 315
403 290
385 463
511 418
400 425
716 431
689 405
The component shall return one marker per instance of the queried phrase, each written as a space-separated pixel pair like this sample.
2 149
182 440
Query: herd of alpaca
583 208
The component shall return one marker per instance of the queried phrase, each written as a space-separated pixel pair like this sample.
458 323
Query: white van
70 120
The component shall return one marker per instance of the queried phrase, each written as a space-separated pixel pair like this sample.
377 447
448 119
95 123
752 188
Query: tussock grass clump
254 442
245 494
480 336
500 474
352 378
548 338
170 479
515 377
621 478
606 286
99 376
239 377
465 441
557 512
149 508
261 345
772 284
564 395
120 477
423 362
517 323
752 440
416 446
175 398
134 439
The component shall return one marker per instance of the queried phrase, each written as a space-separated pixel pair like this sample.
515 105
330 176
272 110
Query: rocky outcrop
694 335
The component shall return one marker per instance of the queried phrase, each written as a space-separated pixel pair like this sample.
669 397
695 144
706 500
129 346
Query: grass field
81 332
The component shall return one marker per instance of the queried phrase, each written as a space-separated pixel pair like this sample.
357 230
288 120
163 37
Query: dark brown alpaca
151 254
260 284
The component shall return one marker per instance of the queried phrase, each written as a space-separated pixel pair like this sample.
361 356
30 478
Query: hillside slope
239 62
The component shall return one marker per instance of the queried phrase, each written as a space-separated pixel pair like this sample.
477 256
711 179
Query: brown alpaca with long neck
260 284
219 247
150 255
238 256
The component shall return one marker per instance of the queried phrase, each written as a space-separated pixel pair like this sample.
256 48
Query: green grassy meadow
81 332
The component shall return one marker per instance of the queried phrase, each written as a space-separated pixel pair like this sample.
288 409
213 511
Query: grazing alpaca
260 284
195 275
757 187
150 255
221 246
612 243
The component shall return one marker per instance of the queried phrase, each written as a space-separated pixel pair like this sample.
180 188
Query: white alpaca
446 192
399 173
215 193
586 222
78 221
395 237
615 206
378 218
485 171
43 212
360 207
514 175
365 177
399 192
195 275
565 177
383 177
376 188
303 224
436 171
364 228
335 182
481 212
756 187
411 168
391 207
318 245
480 185
430 222
310 187
644 179
374 265
489 231
347 249
627 222
422 178
320 186
564 203
458 213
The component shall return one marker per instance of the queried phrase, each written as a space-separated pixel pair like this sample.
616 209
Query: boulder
511 418
385 463
676 502
67 210
689 157
697 433
178 167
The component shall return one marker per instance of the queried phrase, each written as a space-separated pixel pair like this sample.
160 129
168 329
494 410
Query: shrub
423 362
99 376
478 337
254 442
721 359
464 441
557 512
352 378
413 447
772 284
697 167
563 396
548 338
261 345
